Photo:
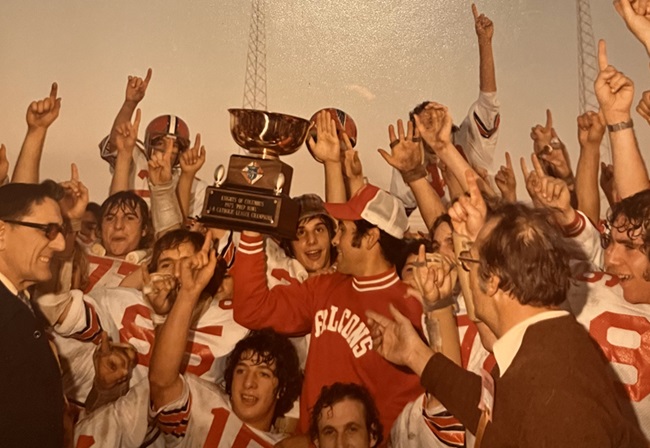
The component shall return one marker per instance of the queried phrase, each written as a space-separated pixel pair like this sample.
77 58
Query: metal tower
255 82
588 69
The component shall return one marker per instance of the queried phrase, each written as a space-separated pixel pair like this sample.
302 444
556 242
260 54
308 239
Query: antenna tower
588 69
255 82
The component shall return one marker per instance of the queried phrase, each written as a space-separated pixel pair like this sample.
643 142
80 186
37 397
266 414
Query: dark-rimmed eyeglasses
51 229
465 257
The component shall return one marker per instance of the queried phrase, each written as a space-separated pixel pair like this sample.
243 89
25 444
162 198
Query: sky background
375 59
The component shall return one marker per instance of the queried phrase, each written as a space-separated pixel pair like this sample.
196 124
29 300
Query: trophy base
234 209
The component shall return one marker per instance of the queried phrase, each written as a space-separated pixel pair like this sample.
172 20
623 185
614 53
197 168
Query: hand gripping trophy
253 194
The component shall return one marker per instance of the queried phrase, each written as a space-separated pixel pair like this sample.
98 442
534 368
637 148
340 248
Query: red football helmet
344 123
166 126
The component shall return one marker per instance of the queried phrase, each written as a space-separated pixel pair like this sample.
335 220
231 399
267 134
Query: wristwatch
620 126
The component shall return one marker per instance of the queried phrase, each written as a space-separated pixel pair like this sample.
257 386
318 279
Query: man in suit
551 385
31 232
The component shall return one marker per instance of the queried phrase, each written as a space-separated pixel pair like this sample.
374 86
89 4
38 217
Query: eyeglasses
51 229
465 257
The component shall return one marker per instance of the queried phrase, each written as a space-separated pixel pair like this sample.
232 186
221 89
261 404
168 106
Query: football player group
440 313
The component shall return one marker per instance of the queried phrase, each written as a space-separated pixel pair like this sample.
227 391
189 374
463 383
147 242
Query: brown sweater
557 392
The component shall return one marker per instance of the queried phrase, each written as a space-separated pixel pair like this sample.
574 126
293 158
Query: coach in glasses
31 233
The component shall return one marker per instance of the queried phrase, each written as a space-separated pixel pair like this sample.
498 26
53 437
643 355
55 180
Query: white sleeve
401 191
479 131
418 427
585 234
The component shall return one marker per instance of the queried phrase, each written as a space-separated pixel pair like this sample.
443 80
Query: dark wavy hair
129 201
286 245
175 238
270 347
391 248
632 216
17 199
330 395
412 247
528 253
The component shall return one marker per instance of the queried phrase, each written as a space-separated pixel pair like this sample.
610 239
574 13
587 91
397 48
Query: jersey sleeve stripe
483 129
174 422
92 332
446 428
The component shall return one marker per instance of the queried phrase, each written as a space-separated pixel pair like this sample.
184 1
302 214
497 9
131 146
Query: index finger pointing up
74 172
602 55
54 90
475 11
549 119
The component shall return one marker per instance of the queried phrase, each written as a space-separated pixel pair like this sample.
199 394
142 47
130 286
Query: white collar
10 286
506 347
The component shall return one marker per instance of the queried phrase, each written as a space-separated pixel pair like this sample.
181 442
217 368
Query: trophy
253 194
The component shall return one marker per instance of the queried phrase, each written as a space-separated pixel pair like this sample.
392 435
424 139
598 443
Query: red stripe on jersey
446 428
92 332
175 421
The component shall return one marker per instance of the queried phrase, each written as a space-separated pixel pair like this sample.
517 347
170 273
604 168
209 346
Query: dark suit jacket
557 392
31 395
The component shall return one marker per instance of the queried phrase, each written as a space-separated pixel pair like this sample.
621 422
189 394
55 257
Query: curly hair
632 217
270 348
337 392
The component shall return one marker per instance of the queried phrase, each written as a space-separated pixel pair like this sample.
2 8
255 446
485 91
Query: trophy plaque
253 193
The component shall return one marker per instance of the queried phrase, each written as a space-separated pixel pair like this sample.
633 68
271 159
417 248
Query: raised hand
591 129
483 25
543 135
552 193
197 271
74 202
159 290
113 363
193 159
41 114
549 148
434 124
469 212
160 164
326 147
137 87
126 135
614 90
433 278
506 181
636 14
406 154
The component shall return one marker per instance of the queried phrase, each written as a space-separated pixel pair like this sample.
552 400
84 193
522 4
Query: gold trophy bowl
253 193
269 134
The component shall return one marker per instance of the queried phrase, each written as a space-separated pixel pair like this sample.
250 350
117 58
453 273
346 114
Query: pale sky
375 59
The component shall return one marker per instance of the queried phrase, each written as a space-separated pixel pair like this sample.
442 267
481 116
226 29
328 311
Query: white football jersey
107 272
126 316
124 423
418 427
202 417
622 330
